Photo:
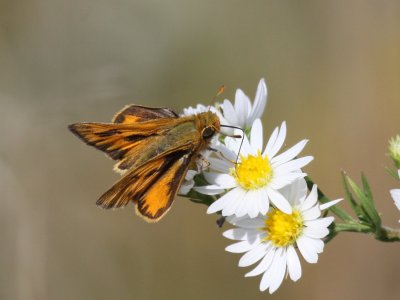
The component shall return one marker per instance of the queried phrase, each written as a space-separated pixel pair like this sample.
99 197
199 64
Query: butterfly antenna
237 137
219 92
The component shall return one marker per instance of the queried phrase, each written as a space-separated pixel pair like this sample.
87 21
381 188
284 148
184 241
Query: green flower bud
394 150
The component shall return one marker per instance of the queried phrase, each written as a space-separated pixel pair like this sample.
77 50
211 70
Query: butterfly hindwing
152 186
156 200
124 190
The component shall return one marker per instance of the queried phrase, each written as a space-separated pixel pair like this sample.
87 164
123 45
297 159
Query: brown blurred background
333 73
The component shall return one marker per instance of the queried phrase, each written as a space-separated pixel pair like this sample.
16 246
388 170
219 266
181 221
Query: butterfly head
208 124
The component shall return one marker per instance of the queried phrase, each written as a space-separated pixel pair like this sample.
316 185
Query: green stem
388 234
352 227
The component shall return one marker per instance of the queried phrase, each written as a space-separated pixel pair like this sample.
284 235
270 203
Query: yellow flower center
253 172
283 229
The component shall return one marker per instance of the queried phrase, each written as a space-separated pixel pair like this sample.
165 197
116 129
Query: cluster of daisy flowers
261 191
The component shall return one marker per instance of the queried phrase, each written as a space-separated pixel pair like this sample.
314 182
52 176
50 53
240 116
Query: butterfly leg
222 155
220 222
202 162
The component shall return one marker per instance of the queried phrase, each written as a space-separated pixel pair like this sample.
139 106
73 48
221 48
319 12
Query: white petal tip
329 204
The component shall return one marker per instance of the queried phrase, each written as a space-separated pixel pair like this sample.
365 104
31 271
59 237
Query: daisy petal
294 165
323 222
240 247
279 201
315 232
234 145
294 192
240 234
220 165
256 135
396 196
209 189
312 198
251 199
271 142
264 264
224 200
241 209
281 180
277 272
242 107
246 222
234 203
253 256
289 154
279 141
329 204
224 181
229 112
293 264
263 201
308 252
318 244
312 213
259 102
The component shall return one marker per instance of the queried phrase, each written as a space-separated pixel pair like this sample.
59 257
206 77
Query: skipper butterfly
154 148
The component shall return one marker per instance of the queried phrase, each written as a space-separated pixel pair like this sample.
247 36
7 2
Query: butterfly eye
208 132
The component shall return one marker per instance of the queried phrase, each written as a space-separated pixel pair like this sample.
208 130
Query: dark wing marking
136 113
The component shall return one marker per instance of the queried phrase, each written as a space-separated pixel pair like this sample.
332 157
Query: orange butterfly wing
135 113
151 186
134 128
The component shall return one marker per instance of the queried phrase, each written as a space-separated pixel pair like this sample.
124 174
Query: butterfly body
154 148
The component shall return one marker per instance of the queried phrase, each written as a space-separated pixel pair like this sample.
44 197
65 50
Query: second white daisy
271 239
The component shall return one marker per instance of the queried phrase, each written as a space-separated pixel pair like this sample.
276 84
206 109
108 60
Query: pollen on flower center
283 229
253 172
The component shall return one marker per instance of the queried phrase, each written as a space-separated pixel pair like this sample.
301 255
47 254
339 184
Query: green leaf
393 173
367 203
349 197
371 204
199 198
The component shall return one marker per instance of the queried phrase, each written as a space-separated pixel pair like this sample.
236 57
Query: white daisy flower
396 195
258 176
272 239
188 111
243 114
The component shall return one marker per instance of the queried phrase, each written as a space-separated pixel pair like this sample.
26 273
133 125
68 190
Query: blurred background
333 73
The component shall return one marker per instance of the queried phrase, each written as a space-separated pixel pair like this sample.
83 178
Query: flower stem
388 234
352 227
